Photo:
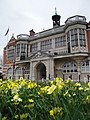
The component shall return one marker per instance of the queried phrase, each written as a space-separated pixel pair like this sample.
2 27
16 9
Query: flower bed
56 100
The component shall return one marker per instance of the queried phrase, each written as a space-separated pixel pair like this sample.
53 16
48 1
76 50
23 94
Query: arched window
18 72
69 67
9 73
85 66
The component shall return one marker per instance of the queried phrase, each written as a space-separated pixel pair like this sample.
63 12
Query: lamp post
23 72
88 77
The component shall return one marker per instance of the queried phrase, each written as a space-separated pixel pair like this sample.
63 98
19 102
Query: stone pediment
40 54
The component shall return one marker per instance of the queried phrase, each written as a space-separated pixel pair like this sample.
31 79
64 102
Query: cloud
23 15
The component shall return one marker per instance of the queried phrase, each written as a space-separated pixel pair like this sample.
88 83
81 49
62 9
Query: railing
75 18
23 37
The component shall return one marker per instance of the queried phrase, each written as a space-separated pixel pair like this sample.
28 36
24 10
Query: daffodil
56 111
51 112
31 100
77 84
67 94
88 98
32 85
44 89
89 84
80 88
51 89
16 98
69 81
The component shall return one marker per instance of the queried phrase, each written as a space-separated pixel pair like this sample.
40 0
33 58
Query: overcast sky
23 15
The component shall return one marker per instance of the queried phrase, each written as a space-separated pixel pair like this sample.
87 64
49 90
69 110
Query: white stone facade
58 52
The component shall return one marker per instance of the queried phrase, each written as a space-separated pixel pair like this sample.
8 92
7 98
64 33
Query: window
69 68
82 37
9 73
68 37
47 44
18 71
34 47
11 54
74 37
60 41
85 66
23 48
17 50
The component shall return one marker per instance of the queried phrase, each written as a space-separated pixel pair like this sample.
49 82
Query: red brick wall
6 62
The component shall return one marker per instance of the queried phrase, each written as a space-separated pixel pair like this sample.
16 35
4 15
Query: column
79 71
53 45
47 70
51 68
39 47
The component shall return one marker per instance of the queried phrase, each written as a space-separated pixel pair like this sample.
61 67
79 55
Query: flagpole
7 38
6 34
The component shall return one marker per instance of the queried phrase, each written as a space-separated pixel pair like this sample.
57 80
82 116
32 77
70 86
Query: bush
56 100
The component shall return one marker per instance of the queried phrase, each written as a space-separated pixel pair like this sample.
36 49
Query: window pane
70 67
86 66
60 41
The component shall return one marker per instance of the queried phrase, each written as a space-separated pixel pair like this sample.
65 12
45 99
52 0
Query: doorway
41 71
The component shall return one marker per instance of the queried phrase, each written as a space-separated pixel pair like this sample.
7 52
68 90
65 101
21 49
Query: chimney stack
32 33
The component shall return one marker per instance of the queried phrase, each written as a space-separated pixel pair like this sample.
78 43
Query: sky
20 16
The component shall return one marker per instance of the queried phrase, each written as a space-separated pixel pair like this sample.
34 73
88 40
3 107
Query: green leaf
0 116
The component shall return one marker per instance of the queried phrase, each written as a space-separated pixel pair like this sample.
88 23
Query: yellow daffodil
80 88
56 111
69 81
77 84
31 100
16 98
86 89
51 112
32 85
89 84
67 94
88 98
51 89
44 89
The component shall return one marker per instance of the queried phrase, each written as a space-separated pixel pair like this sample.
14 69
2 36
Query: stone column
51 68
39 47
79 70
47 70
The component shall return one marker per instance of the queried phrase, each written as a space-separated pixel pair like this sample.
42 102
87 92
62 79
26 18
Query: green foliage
56 100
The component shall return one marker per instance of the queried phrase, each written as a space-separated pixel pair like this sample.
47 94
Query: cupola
56 19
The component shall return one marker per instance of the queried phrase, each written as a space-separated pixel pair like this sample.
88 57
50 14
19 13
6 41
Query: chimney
32 33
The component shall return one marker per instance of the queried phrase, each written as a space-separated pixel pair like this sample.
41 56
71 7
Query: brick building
62 51
9 56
